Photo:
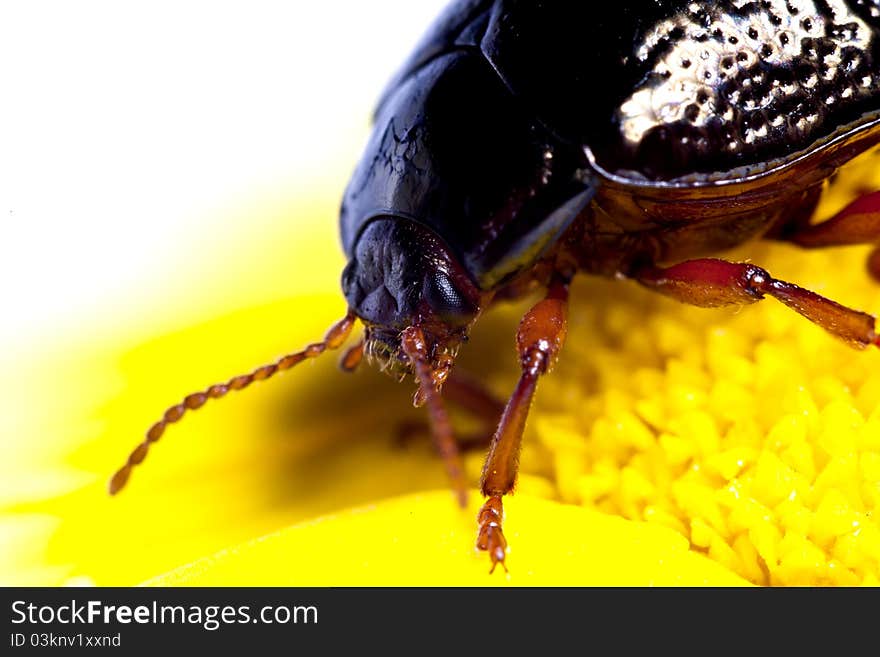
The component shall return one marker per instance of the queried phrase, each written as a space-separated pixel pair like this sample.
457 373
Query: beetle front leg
857 223
469 394
709 282
412 341
539 338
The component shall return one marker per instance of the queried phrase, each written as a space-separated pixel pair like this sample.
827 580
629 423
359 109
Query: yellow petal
425 539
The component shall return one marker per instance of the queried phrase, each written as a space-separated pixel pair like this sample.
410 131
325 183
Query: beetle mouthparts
382 349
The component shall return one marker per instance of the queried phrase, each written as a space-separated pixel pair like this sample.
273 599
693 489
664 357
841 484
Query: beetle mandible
523 142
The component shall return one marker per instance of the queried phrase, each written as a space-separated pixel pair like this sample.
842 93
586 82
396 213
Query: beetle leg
709 282
539 338
804 207
412 340
857 223
470 395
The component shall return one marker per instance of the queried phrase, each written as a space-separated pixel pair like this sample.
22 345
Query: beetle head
402 274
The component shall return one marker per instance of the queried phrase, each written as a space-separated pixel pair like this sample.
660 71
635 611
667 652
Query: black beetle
525 141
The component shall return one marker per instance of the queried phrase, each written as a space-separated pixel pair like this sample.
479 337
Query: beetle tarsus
490 537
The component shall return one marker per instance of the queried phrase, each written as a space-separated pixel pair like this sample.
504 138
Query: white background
125 125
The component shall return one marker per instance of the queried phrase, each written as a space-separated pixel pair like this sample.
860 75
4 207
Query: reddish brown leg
857 223
538 341
709 282
469 394
412 340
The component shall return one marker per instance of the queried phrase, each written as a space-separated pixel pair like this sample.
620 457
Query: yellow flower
672 445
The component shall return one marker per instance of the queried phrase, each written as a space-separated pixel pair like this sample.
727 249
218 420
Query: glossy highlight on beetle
525 142
749 82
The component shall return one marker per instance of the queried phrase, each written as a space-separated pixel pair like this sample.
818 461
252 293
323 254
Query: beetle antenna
333 339
353 357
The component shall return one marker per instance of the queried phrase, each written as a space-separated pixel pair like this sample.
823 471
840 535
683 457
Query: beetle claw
491 537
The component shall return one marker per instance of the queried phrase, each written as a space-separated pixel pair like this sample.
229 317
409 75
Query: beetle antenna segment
353 357
412 341
335 336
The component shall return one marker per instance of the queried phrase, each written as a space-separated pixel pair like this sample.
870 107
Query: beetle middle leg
857 223
539 338
709 282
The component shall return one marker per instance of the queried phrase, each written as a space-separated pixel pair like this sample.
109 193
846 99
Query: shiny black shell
667 107
668 88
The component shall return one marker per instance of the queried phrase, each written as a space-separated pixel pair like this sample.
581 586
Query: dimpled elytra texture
753 433
755 80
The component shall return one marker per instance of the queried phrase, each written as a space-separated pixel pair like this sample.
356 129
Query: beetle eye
446 301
